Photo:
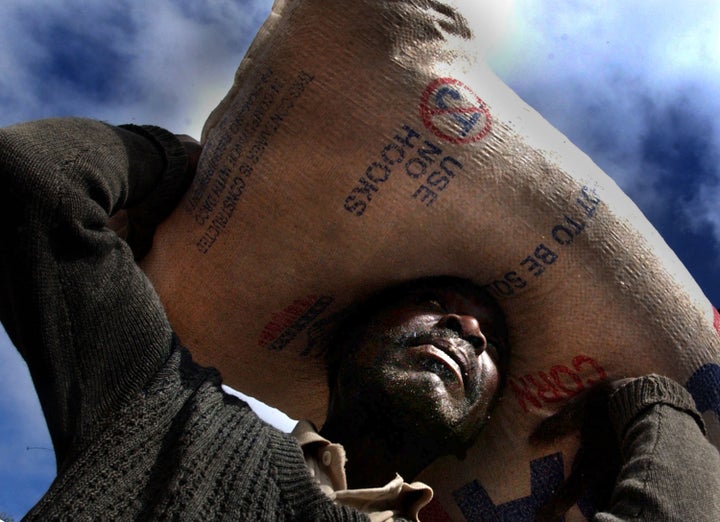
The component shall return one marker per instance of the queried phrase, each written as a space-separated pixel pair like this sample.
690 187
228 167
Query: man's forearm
670 470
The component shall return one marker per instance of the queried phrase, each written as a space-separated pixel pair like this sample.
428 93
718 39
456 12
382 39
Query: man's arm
85 319
643 454
670 470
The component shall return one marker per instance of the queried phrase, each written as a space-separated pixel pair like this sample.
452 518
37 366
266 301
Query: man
142 432
413 373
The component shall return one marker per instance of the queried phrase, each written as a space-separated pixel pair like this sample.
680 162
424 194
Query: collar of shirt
326 462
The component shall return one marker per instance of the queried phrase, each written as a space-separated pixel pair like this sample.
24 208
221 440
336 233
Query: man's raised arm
85 319
643 453
670 471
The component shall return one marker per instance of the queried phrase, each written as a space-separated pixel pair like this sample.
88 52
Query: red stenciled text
558 384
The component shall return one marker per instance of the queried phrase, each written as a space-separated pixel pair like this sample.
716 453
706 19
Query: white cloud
269 414
606 68
177 59
187 54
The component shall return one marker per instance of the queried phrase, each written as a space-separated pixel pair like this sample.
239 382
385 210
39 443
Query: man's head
421 363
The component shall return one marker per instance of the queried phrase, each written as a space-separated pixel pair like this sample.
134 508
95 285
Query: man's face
430 359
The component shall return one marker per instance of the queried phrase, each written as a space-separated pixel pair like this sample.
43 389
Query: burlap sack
365 142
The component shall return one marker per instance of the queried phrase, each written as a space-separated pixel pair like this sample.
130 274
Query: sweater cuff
631 399
174 181
152 210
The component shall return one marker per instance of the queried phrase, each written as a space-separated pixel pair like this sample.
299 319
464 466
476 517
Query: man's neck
377 452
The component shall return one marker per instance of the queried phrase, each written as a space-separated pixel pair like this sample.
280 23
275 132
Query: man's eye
436 304
431 301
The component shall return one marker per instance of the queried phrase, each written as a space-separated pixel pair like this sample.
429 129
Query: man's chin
433 383
441 417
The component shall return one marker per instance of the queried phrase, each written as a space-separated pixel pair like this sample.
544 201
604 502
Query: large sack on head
365 142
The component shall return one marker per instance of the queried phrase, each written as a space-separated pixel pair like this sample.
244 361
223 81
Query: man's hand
137 225
193 149
597 462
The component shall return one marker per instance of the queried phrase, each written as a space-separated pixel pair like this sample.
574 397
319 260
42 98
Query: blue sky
636 85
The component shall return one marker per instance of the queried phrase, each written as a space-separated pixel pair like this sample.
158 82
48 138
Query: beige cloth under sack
366 142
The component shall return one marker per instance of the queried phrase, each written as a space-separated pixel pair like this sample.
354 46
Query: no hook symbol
454 113
465 119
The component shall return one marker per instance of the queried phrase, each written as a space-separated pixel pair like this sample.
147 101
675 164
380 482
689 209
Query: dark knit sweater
140 431
143 433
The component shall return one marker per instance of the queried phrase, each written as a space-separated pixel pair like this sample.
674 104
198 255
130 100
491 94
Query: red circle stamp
454 113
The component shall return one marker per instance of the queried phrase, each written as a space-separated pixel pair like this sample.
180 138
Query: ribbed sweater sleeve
85 319
141 432
670 470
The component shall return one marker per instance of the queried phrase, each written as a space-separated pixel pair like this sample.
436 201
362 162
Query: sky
636 85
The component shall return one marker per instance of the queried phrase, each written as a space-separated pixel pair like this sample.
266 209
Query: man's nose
467 327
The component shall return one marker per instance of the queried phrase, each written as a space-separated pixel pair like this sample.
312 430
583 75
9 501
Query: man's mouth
442 356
